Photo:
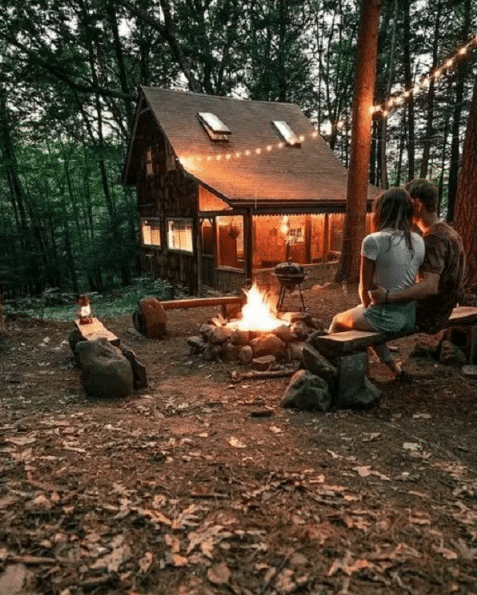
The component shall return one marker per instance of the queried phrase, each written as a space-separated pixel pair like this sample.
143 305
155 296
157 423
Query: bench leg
353 387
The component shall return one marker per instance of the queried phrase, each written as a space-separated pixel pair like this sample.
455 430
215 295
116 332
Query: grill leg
281 297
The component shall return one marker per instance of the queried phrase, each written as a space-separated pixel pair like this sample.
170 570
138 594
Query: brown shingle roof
310 174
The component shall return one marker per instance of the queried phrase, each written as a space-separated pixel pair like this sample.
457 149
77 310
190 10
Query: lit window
179 235
214 127
151 235
286 133
148 162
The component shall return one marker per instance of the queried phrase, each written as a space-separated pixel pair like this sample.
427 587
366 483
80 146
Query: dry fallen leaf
145 562
236 443
219 574
177 560
446 552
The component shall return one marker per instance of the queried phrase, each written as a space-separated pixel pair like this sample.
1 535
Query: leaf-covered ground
182 489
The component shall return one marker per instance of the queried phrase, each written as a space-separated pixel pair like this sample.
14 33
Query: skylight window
286 133
215 128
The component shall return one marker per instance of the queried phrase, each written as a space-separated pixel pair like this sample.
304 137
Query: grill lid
290 270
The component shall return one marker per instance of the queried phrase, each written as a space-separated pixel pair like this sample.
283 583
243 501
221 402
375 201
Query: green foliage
69 77
54 304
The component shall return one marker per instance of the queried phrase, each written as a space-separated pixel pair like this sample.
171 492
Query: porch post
248 247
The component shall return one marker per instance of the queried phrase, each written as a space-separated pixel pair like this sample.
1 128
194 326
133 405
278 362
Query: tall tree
461 79
357 193
466 203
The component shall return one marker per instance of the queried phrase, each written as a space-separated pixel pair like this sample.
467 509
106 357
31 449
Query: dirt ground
184 489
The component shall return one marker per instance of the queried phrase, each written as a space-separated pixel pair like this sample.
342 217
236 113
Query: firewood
257 375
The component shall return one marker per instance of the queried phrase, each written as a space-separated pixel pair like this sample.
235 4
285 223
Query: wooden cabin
229 188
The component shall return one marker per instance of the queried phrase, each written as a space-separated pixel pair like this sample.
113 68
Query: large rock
365 397
264 362
307 392
239 337
105 371
285 333
245 354
230 352
451 355
268 344
151 319
317 363
301 330
353 388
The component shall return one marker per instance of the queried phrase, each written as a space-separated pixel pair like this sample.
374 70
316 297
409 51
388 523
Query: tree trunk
408 84
466 204
357 192
383 140
461 74
430 98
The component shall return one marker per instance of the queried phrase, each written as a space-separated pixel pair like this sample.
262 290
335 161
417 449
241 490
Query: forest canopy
70 75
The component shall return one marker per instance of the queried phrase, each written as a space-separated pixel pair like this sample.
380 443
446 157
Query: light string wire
381 110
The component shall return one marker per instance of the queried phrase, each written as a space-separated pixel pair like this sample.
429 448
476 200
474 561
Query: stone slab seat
348 352
349 342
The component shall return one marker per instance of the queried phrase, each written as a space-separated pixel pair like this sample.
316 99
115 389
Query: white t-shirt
396 265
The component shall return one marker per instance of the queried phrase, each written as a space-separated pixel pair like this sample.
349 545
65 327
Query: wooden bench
222 301
91 331
349 342
348 350
95 329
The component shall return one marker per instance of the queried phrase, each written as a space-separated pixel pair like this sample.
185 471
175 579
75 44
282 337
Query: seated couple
407 280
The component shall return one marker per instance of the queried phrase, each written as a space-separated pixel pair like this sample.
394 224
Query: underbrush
60 306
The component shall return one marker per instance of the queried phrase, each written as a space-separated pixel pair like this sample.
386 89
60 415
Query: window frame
151 222
286 133
187 220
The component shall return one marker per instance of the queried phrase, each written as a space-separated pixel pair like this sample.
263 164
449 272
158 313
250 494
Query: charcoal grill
290 275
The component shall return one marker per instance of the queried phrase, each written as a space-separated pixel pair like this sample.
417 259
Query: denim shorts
391 318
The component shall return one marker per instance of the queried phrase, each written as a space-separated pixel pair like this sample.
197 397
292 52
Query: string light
381 110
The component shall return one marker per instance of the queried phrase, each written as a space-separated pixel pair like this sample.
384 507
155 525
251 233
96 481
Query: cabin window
179 235
148 162
150 233
286 133
214 127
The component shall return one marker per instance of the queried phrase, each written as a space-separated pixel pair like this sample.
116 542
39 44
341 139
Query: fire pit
289 275
259 336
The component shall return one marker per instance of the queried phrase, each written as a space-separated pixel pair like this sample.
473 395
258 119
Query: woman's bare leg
353 319
349 320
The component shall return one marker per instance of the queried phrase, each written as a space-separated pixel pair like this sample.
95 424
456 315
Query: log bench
91 331
348 350
222 301
151 319
95 329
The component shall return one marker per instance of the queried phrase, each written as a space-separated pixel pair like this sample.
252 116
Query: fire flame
258 314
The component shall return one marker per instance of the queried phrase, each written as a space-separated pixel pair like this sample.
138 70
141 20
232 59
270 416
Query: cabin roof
309 173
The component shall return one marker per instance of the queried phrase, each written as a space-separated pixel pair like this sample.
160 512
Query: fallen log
222 301
257 375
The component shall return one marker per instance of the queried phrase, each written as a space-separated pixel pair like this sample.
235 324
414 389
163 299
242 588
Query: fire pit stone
268 344
239 337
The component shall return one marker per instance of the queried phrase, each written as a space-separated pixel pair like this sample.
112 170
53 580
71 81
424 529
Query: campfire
259 335
258 313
